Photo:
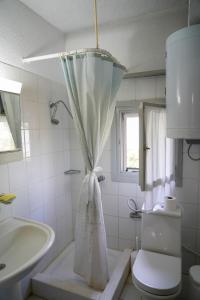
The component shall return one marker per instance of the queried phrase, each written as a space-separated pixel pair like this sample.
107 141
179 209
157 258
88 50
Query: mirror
10 122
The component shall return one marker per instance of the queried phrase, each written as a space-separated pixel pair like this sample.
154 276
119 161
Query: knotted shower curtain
92 82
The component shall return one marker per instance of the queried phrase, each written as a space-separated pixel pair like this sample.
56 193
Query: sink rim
18 222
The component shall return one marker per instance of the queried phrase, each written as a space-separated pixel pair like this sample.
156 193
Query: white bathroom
99 149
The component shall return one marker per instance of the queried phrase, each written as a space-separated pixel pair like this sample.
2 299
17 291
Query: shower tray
59 282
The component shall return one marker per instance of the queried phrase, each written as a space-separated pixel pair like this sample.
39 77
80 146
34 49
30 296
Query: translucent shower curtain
92 81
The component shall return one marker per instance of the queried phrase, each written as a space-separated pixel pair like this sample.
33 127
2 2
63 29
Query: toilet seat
157 274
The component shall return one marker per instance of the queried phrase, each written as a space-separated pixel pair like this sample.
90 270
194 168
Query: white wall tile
127 228
30 110
160 86
46 141
108 186
189 192
43 192
33 165
44 116
58 143
44 90
29 86
59 162
110 205
38 214
111 224
76 160
32 143
189 238
126 90
47 165
17 175
112 242
145 88
191 169
126 244
21 204
66 139
74 139
190 215
124 210
75 196
35 195
127 189
4 179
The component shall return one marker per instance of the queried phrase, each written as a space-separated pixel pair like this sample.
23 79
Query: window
125 142
128 140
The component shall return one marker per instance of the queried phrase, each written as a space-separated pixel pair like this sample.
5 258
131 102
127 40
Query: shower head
53 110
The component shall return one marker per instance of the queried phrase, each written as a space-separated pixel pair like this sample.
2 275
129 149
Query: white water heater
183 83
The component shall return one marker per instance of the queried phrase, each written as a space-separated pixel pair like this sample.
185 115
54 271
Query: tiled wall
189 197
121 230
43 191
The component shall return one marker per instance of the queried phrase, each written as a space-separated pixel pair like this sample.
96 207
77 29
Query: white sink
22 244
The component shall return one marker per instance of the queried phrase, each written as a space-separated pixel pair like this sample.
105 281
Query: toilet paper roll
170 203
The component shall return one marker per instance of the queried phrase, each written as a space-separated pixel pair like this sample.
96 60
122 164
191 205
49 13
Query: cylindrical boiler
183 83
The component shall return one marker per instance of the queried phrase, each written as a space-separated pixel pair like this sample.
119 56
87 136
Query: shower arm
54 104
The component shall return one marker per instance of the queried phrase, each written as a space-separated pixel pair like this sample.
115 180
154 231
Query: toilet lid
156 273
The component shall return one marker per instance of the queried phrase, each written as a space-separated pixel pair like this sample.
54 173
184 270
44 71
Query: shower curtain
159 171
92 82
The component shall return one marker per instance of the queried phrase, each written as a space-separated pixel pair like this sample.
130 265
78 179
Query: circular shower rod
101 52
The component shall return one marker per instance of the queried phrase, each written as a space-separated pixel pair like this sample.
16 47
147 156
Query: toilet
156 267
194 283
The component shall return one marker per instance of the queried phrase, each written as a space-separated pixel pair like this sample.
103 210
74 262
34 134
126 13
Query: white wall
139 44
42 189
23 33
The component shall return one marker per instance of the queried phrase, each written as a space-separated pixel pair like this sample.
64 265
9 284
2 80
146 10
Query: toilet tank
161 232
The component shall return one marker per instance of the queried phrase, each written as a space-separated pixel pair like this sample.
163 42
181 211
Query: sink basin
22 244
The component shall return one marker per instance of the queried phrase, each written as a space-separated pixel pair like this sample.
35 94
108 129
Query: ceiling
75 15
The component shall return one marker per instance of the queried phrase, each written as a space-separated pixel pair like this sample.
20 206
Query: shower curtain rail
68 53
97 51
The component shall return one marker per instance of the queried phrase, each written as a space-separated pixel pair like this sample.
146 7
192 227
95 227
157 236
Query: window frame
138 106
117 158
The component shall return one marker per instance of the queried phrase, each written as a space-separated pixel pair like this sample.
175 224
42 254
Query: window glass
131 142
6 141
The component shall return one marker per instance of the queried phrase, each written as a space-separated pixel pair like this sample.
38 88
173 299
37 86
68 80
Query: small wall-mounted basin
22 244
